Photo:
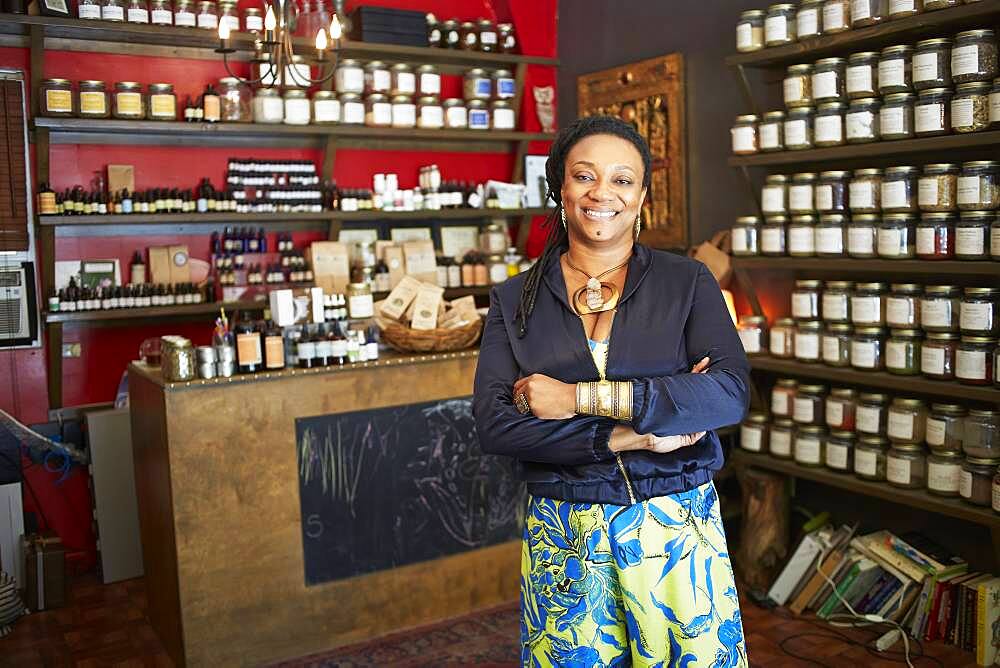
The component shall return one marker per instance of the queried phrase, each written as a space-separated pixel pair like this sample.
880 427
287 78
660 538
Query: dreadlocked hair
558 237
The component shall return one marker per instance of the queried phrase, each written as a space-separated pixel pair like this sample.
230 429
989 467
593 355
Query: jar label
738 238
897 470
829 128
431 117
89 11
59 100
965 60
744 36
970 364
935 313
778 344
970 241
925 241
994 107
996 496
833 16
350 80
324 348
894 195
831 355
892 73
968 189
900 425
891 121
182 18
825 85
995 241
773 199
824 198
860 125
943 477
898 6
743 139
807 22
297 111
92 102
808 450
781 443
353 112
935 432
162 106
927 194
899 312
479 119
750 438
929 117
860 9
404 115
793 89
138 15
890 243
248 349
360 306
779 402
772 240
895 355
860 241
866 310
804 306
129 103
326 111
806 346
482 88
381 81
862 195
769 136
834 306
864 354
796 133
112 13
834 412
868 419
456 117
830 240
506 87
961 113
274 351
254 23
800 198
965 484
859 79
776 29
209 21
406 83
750 338
801 240
925 67
381 113
865 463
836 456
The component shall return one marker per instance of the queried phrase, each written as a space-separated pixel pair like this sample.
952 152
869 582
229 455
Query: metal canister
178 358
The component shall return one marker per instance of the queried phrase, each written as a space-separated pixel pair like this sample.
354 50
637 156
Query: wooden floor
105 626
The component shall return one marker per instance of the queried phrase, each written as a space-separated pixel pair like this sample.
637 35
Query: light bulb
270 23
335 29
224 30
321 40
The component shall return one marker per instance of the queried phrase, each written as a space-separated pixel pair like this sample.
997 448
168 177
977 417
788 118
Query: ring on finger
521 403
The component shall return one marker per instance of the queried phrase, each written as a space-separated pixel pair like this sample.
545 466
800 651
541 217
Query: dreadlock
558 237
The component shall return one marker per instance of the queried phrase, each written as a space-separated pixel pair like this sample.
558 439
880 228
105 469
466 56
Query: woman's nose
600 192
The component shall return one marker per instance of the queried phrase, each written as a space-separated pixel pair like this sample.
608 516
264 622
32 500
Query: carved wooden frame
649 94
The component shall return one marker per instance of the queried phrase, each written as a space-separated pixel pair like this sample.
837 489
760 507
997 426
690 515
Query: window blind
13 170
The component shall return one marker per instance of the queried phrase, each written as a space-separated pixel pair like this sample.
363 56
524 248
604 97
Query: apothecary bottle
128 101
974 56
944 427
810 445
781 437
868 348
57 98
976 480
773 236
972 235
349 77
752 330
944 472
894 71
937 188
828 124
869 458
861 79
806 299
936 236
745 236
831 235
932 112
840 451
979 186
771 133
774 195
94 100
974 360
378 77
932 64
797 86
896 116
162 102
184 14
782 338
836 16
899 9
865 191
980 312
897 234
866 13
899 189
861 235
807 19
868 304
753 432
798 129
902 352
744 135
113 10
906 467
872 413
89 9
907 421
783 397
861 123
750 31
830 192
940 308
837 344
802 236
835 303
808 335
828 80
808 406
779 24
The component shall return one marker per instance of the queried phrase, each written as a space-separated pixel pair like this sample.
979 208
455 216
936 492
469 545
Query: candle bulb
270 24
335 29
224 35
321 44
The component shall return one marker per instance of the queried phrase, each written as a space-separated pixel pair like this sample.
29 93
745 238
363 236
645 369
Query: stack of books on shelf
908 580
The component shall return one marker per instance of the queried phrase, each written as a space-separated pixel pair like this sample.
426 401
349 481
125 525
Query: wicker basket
407 340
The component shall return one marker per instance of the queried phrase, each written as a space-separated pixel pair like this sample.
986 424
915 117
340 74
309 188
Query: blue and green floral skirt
649 584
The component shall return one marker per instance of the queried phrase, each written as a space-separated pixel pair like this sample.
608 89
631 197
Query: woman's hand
549 398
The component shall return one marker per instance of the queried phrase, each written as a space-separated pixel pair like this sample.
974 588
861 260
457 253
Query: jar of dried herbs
744 135
836 16
836 301
798 129
866 191
972 236
830 192
837 344
902 352
979 186
861 124
828 124
807 19
802 236
866 13
897 236
932 63
931 113
770 132
774 194
899 9
899 189
937 188
902 306
862 75
974 57
896 116
831 235
800 193
861 235
779 24
970 108
936 236
750 31
797 86
894 72
828 80
772 236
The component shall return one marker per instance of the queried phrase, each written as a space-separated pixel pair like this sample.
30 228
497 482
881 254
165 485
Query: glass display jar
802 236
429 82
944 472
403 80
861 235
907 421
184 14
906 467
894 72
902 306
861 123
902 352
113 10
468 36
897 234
810 445
88 9
872 413
325 107
975 484
507 37
828 83
297 107
752 330
931 112
268 107
94 100
995 103
831 235
936 236
937 188
896 116
487 36
841 406
868 304
229 15
972 235
56 98
865 191
128 101
378 111
750 31
798 129
981 433
456 115
162 102
430 113
378 77
783 397
940 307
970 108
837 344
745 236
974 360
349 77
899 9
840 451
770 131
937 355
830 192
477 85
744 135
781 437
774 194
253 20
836 301
980 312
782 338
805 299
932 64
772 236
235 101
779 24
866 13
753 432
800 193
899 186
352 109
868 348
808 406
797 86
828 124
861 79
945 424
974 56
504 85
404 112
208 15
807 340
836 16
869 458
807 19
978 186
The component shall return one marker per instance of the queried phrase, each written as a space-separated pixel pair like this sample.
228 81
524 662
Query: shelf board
103 37
877 379
880 152
940 23
882 490
940 268
264 219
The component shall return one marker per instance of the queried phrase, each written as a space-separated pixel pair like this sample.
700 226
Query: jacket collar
638 267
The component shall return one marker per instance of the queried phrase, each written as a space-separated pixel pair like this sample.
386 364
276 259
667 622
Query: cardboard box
180 268
330 264
121 177
296 306
44 571
159 264
393 257
421 262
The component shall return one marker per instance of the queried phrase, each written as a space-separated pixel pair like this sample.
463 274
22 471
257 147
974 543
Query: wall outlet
71 350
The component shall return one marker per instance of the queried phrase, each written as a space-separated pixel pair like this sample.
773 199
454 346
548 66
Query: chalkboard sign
393 486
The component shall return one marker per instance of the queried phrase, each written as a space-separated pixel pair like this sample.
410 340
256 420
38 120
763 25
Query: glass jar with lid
940 308
836 16
974 57
975 484
783 397
235 101
487 36
57 98
840 451
810 445
808 406
772 236
937 188
868 348
781 437
980 312
430 113
403 80
894 71
752 330
836 301
800 193
479 115
325 107
753 432
782 339
865 191
745 236
937 356
841 406
805 299
404 112
504 86
902 352
349 76
88 9
981 433
750 31
477 85
899 189
930 5
802 236
932 64
896 116
798 129
352 109
979 186
972 235
128 101
936 236
897 234
868 304
866 13
771 135
828 83
995 240
932 112
774 194
970 108
861 235
744 135
268 107
508 39
113 10
830 192
208 15
944 473
828 124
253 20
899 9
902 306
807 341
872 413
184 14
907 421
995 103
869 457
944 427
162 102
861 123
906 467
94 100
837 344
429 82
455 114
807 19
862 75
468 36
779 24
974 360
378 111
797 86
831 235
297 107
451 34
502 115
378 78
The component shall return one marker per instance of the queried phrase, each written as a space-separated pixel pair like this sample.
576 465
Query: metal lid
804 219
868 287
832 106
475 72
899 97
942 336
941 168
811 429
374 97
92 83
350 97
349 62
948 409
993 164
978 216
907 333
752 13
497 74
901 169
296 93
801 68
475 104
747 118
804 176
774 115
811 325
983 412
873 397
776 178
940 289
897 50
864 218
372 65
908 402
839 328
842 435
251 11
784 423
983 461
808 283
982 291
432 69
947 454
401 67
229 81
833 218
747 220
835 174
453 102
907 288
800 111
428 100
753 319
862 55
776 219
812 389
784 322
907 448
128 85
757 417
869 330
975 34
161 88
787 382
938 217
824 62
402 99
267 92
973 87
325 95
865 101
899 217
933 92
781 6
839 285
875 441
936 42
991 340
869 171
844 392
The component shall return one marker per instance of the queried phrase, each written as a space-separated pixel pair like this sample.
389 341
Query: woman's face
602 189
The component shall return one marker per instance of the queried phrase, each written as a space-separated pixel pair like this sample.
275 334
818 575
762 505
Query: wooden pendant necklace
590 298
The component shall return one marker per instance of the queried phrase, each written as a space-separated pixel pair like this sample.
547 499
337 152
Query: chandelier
275 48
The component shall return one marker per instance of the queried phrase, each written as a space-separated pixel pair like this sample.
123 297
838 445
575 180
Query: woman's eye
583 177
625 182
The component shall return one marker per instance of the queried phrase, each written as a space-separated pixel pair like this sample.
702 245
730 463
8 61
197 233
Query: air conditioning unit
18 315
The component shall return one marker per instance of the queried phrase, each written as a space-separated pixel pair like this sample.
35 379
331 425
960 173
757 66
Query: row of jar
203 14
976 480
784 23
352 76
974 236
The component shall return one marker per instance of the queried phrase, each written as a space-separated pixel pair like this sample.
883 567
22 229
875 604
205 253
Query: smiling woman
608 402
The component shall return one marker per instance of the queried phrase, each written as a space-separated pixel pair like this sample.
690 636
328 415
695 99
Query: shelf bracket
741 76
753 191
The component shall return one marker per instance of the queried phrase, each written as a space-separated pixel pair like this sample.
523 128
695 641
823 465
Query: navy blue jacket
670 315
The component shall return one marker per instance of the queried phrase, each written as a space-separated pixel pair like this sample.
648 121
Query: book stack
906 579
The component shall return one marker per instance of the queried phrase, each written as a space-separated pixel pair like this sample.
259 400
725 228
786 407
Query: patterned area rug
485 638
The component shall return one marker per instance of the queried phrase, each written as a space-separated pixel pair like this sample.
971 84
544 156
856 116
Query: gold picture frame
649 94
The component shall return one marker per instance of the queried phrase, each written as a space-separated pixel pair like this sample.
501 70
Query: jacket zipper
602 369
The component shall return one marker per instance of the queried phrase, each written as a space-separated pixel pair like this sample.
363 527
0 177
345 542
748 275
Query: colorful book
800 563
931 556
987 621
842 586
888 591
971 603
828 566
878 544
901 603
863 603
868 571
850 557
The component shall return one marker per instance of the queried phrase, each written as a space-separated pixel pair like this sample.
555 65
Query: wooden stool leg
764 533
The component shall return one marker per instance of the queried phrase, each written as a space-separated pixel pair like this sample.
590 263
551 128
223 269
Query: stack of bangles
606 398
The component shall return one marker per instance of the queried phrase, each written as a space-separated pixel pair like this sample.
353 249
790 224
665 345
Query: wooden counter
218 474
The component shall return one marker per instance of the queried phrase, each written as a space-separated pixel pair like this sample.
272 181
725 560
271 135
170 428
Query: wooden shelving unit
923 268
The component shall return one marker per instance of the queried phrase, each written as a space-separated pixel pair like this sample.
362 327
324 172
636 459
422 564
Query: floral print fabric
649 584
